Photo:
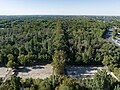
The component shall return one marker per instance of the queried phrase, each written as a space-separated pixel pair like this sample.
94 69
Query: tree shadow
37 67
81 72
22 69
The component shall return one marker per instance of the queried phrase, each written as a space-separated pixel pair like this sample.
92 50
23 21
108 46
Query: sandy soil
82 72
4 71
44 71
35 72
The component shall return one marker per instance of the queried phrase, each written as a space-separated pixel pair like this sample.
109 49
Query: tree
117 87
22 50
6 86
102 81
59 40
59 59
110 61
1 58
22 60
85 58
15 83
69 84
12 64
11 61
15 51
45 85
114 33
10 57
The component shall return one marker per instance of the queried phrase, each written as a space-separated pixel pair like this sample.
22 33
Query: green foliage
69 84
34 39
117 87
45 85
15 83
11 64
59 59
61 40
102 81
114 33
110 62
10 57
22 60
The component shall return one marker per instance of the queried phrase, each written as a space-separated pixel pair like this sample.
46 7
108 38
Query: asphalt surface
110 38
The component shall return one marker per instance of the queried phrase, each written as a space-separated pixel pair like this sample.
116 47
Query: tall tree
59 59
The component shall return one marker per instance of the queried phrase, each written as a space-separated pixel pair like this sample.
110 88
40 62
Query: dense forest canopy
61 41
29 39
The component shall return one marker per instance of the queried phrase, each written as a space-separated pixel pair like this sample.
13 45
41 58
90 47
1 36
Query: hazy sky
59 7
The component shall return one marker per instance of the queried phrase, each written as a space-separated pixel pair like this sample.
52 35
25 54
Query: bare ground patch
81 72
38 71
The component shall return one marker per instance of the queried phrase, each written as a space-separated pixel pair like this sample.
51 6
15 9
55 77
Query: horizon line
56 15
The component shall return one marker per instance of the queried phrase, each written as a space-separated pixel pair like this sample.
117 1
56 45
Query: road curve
109 38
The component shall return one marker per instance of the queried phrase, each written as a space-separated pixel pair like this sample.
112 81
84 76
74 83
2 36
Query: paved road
110 38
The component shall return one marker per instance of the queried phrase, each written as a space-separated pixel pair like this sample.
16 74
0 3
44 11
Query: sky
60 7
